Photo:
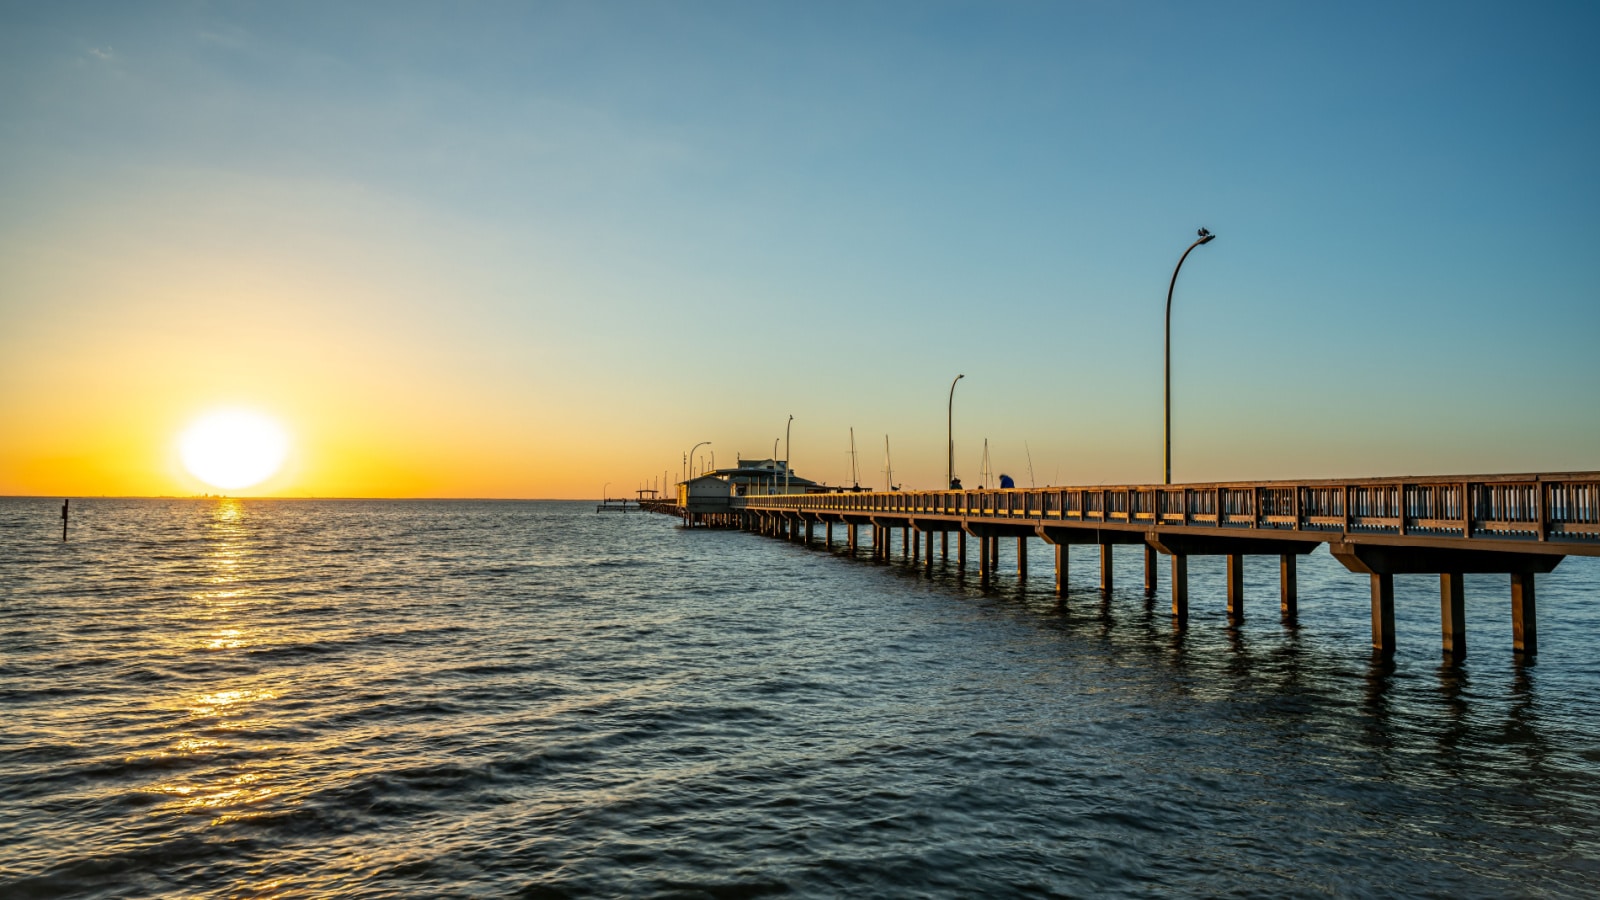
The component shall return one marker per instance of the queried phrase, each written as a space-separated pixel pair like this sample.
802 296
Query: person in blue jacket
1006 482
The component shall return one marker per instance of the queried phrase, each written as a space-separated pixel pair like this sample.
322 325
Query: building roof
747 472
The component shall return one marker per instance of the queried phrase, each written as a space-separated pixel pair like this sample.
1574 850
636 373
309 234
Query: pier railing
1539 508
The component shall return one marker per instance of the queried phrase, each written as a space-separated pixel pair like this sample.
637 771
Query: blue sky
582 237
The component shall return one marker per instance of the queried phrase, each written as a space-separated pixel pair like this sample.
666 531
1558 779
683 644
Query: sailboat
888 466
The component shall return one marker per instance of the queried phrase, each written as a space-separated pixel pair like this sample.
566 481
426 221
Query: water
312 699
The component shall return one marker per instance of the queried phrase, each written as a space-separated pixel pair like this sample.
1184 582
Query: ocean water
221 698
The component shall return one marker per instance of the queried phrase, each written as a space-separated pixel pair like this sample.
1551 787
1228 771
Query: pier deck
1516 525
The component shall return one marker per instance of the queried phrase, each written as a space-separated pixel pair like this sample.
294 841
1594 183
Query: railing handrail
1560 507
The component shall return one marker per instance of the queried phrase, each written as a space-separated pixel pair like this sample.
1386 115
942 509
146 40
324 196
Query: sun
233 449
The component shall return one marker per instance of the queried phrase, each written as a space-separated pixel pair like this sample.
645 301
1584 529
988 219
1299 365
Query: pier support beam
1022 558
944 546
1452 615
1235 589
1062 560
1383 562
1180 589
1524 623
916 543
1289 593
983 559
961 551
1383 614
827 535
1149 569
1105 567
927 564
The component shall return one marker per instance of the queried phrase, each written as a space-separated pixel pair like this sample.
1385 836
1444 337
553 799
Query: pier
1519 526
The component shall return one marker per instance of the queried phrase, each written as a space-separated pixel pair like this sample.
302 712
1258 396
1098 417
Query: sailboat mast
855 471
888 466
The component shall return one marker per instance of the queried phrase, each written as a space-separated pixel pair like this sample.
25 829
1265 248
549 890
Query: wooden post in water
944 546
916 543
64 505
1288 591
1180 589
1061 570
1524 624
1022 558
928 552
1149 569
983 559
1383 614
1452 615
1235 588
961 551
827 535
1105 568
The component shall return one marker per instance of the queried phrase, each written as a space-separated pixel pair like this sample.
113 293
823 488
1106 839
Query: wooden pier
1515 525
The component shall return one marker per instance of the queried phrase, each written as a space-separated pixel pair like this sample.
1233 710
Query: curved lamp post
1166 397
786 454
949 438
691 456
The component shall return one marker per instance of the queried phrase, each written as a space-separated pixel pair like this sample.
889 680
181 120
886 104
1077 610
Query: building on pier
707 493
753 478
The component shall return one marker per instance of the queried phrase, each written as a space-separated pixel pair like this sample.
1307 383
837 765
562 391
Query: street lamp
949 439
1166 397
605 492
786 454
690 455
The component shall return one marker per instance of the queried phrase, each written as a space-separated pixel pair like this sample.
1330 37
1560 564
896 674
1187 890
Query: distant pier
1514 525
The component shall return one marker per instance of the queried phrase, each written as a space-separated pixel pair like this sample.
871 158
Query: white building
705 494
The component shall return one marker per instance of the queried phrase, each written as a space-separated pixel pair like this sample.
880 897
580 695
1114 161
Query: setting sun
233 449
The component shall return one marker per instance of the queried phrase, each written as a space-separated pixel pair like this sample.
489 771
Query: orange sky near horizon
525 252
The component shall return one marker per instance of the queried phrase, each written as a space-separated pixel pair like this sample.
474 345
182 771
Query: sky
540 250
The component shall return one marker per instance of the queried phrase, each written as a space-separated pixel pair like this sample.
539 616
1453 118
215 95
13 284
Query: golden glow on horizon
234 449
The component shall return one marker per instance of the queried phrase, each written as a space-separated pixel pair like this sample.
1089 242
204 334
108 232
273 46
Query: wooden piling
1289 592
1383 614
1149 569
1022 558
983 560
1105 568
1235 588
1061 570
1180 589
1524 623
1452 615
961 551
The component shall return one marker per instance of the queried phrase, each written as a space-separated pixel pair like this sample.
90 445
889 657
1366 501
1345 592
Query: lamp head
1206 236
